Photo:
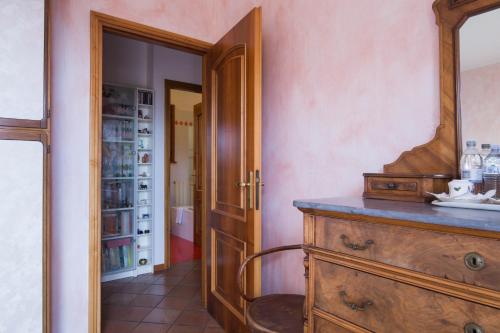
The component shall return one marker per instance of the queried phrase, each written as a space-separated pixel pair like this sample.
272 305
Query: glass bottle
491 174
471 164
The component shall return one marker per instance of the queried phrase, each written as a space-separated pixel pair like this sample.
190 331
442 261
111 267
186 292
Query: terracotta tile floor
166 302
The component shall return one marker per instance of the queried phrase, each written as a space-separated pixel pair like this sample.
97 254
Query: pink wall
347 86
480 103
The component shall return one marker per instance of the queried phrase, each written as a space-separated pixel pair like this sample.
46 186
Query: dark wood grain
233 150
434 253
197 172
395 307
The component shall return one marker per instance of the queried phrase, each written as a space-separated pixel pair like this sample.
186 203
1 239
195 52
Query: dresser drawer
403 188
461 258
324 326
382 305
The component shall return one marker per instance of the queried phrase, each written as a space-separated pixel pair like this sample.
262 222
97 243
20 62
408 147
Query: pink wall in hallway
340 80
347 86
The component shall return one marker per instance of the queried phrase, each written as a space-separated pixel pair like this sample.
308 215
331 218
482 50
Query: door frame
100 23
168 142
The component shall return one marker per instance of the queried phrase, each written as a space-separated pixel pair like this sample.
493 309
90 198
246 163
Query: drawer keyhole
473 328
475 262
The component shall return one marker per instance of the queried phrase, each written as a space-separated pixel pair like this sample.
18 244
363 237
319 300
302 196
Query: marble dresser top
412 211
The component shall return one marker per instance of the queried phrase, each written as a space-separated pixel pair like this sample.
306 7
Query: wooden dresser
387 266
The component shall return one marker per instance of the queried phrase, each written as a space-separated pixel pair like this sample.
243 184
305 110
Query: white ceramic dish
467 205
467 198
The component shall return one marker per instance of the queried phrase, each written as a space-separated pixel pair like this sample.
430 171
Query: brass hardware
258 183
356 247
353 306
474 261
392 186
242 185
473 328
250 189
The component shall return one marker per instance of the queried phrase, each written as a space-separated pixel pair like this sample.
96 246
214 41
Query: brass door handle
354 246
242 185
353 306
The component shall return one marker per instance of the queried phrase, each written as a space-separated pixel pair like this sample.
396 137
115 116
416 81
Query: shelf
144 235
147 248
116 209
144 134
121 270
145 205
118 178
119 141
144 220
141 149
113 116
116 237
145 120
140 177
144 163
149 105
144 190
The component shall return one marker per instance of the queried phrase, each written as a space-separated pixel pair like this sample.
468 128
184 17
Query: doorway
231 162
129 279
183 177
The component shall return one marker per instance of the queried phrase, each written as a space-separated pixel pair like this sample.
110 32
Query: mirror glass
22 53
480 79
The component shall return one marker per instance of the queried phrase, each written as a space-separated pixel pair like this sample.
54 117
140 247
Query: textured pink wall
347 86
480 102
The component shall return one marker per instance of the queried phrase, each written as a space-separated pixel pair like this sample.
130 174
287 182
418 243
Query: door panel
197 174
233 152
229 107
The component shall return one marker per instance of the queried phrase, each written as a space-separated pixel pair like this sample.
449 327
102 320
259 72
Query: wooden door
197 174
233 168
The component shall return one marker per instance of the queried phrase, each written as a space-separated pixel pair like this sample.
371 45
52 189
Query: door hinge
49 112
48 149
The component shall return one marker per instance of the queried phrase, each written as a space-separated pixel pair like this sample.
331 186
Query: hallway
165 302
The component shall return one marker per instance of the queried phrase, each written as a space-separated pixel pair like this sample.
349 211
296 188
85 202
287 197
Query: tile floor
165 302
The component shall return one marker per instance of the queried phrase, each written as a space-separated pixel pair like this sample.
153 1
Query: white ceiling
480 41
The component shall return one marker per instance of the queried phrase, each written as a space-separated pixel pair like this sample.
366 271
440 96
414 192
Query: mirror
479 85
22 62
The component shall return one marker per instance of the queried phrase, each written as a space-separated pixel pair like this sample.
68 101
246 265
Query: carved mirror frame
441 155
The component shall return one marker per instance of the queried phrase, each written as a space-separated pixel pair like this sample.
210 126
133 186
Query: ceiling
480 41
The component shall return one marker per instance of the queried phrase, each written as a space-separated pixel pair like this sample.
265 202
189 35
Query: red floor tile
183 250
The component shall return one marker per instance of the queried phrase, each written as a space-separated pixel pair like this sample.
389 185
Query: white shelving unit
127 181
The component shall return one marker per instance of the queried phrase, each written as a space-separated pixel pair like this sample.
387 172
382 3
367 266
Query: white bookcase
127 181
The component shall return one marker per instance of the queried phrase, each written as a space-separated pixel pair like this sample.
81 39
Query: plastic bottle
471 164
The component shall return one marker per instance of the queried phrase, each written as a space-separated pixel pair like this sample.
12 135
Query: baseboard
159 268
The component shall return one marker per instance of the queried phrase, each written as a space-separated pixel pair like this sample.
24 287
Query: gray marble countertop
411 211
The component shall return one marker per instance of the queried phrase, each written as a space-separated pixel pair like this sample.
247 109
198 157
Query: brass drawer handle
353 306
473 328
474 261
354 246
392 186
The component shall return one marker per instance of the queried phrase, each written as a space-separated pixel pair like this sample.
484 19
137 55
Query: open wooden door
233 168
197 174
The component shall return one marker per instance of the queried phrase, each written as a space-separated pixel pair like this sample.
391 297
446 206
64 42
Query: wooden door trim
168 141
99 23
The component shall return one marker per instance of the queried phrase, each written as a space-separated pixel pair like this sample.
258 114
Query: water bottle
491 174
471 164
485 151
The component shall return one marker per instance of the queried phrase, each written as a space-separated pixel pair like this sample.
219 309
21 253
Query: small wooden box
404 187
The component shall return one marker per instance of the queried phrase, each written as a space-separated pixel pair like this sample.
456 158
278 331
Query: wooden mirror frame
441 155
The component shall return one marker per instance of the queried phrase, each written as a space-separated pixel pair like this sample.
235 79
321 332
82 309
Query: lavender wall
347 86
